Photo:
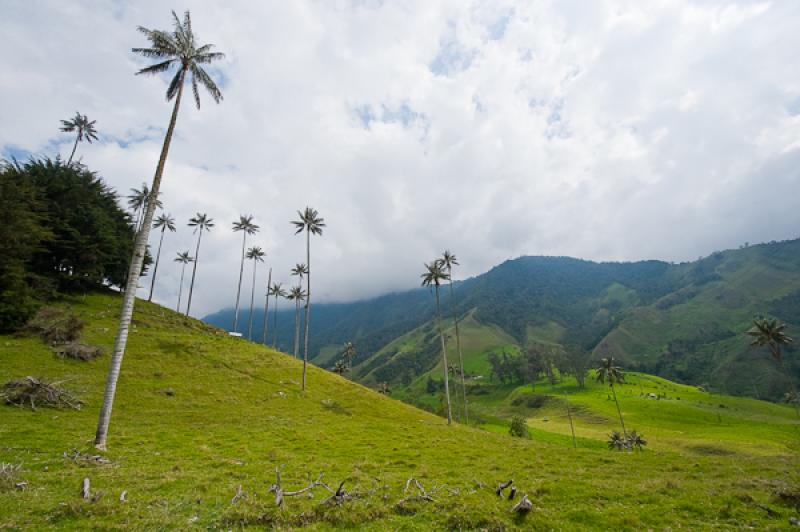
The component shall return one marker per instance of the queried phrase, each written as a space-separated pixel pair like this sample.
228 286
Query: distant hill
680 321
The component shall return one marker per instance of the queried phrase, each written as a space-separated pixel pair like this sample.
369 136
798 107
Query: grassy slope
235 412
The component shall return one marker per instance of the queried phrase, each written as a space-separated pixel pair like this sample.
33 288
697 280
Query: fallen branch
523 506
501 487
75 455
422 494
85 488
34 392
277 488
239 494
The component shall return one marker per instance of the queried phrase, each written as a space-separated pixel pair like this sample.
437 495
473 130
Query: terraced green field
199 414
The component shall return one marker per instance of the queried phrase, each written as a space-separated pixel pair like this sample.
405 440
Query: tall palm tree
433 277
769 333
266 308
311 223
163 222
296 294
298 271
84 130
177 48
276 290
449 260
184 258
246 226
608 371
201 222
256 254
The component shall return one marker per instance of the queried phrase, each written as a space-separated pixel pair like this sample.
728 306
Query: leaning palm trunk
74 147
458 347
266 308
444 359
275 323
155 267
180 289
194 270
296 328
252 300
307 316
129 299
239 289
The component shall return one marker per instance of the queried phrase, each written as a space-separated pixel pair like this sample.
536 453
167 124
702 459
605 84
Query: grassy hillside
199 413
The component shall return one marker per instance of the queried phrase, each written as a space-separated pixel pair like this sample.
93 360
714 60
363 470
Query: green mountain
200 417
680 321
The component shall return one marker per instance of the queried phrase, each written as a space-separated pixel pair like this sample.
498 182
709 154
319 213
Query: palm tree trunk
275 324
129 299
239 289
266 308
297 328
444 359
194 270
458 347
74 147
155 268
621 422
571 426
180 289
252 300
795 398
308 304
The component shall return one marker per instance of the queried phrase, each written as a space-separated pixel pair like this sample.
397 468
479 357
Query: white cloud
605 130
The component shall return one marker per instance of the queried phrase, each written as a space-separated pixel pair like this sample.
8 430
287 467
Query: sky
605 130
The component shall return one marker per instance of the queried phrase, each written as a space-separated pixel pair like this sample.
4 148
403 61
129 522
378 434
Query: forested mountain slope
682 321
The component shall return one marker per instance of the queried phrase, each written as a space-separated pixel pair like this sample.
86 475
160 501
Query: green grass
235 412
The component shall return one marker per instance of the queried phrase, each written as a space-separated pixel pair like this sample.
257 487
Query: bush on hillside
79 351
55 325
519 427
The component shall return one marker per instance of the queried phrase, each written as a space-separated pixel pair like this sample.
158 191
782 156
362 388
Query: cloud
610 130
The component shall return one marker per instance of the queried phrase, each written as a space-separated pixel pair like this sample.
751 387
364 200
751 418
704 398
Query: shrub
618 442
79 351
55 325
519 427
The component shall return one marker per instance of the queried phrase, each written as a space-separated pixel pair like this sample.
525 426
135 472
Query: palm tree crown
309 221
80 123
178 48
277 290
607 371
296 293
448 260
435 274
766 332
184 257
255 253
201 222
165 222
300 270
245 224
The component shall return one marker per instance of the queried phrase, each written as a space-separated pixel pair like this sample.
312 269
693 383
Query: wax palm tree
340 367
296 294
266 307
246 226
770 333
433 277
349 354
137 201
177 48
449 260
164 222
83 128
256 254
276 290
311 223
298 271
184 258
201 222
608 371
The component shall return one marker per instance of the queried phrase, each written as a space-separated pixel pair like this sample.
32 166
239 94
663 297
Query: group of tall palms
436 273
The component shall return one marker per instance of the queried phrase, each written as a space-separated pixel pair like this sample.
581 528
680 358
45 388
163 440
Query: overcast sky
606 130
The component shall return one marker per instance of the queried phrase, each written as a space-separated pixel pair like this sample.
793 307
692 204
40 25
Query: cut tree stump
523 506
